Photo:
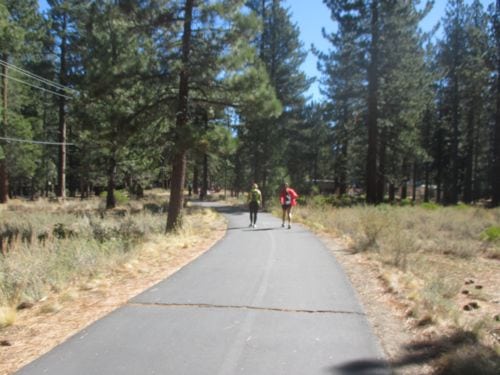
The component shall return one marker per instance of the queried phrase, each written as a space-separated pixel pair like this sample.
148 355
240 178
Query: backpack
288 198
255 196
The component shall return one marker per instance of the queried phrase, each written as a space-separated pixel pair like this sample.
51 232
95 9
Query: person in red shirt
288 199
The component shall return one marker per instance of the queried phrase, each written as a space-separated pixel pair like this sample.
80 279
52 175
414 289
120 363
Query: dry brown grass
437 264
64 309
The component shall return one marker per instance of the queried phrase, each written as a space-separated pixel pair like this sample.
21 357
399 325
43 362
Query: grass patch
491 234
7 316
429 206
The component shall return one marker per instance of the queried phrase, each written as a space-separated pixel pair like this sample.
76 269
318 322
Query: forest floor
410 348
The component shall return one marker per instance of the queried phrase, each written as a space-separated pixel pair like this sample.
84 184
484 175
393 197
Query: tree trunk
404 190
414 192
195 179
110 197
204 185
343 169
204 188
404 186
439 165
61 167
469 157
392 193
381 171
495 173
452 186
264 189
174 219
476 185
426 191
4 177
371 164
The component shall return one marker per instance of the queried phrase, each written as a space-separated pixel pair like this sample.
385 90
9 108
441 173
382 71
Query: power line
36 77
36 87
36 142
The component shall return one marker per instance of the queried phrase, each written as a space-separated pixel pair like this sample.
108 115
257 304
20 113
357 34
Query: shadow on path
457 354
260 229
368 367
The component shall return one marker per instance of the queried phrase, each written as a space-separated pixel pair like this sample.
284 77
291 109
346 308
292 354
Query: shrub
121 196
429 206
406 202
461 206
371 225
7 316
491 234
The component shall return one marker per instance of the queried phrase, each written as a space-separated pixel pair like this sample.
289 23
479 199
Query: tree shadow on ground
460 353
231 210
362 367
262 229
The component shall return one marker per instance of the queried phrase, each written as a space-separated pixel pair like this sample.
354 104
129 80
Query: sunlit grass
7 316
49 246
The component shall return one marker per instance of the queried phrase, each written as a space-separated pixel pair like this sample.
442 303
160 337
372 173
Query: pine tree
462 57
61 24
403 95
120 84
20 29
309 149
263 145
390 81
476 84
495 173
344 73
218 68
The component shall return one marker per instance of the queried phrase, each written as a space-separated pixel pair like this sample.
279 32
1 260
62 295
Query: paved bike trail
263 300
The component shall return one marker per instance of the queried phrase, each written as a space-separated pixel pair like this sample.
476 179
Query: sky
312 15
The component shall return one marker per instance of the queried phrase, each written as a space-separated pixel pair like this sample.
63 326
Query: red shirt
292 193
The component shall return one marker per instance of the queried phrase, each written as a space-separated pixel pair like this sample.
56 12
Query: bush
406 202
331 200
461 206
491 234
121 196
371 225
429 206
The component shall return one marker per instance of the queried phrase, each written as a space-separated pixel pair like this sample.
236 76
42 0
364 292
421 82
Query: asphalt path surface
265 300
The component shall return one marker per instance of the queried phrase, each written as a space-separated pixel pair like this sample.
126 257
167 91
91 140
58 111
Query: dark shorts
286 206
254 206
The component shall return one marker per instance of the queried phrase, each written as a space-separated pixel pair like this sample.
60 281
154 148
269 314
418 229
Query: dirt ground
385 313
64 313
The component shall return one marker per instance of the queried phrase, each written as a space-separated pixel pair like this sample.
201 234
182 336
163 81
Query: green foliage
491 234
464 71
429 206
324 201
121 196
406 202
461 206
265 131
434 106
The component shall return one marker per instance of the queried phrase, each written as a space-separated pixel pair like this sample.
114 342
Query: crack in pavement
243 307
